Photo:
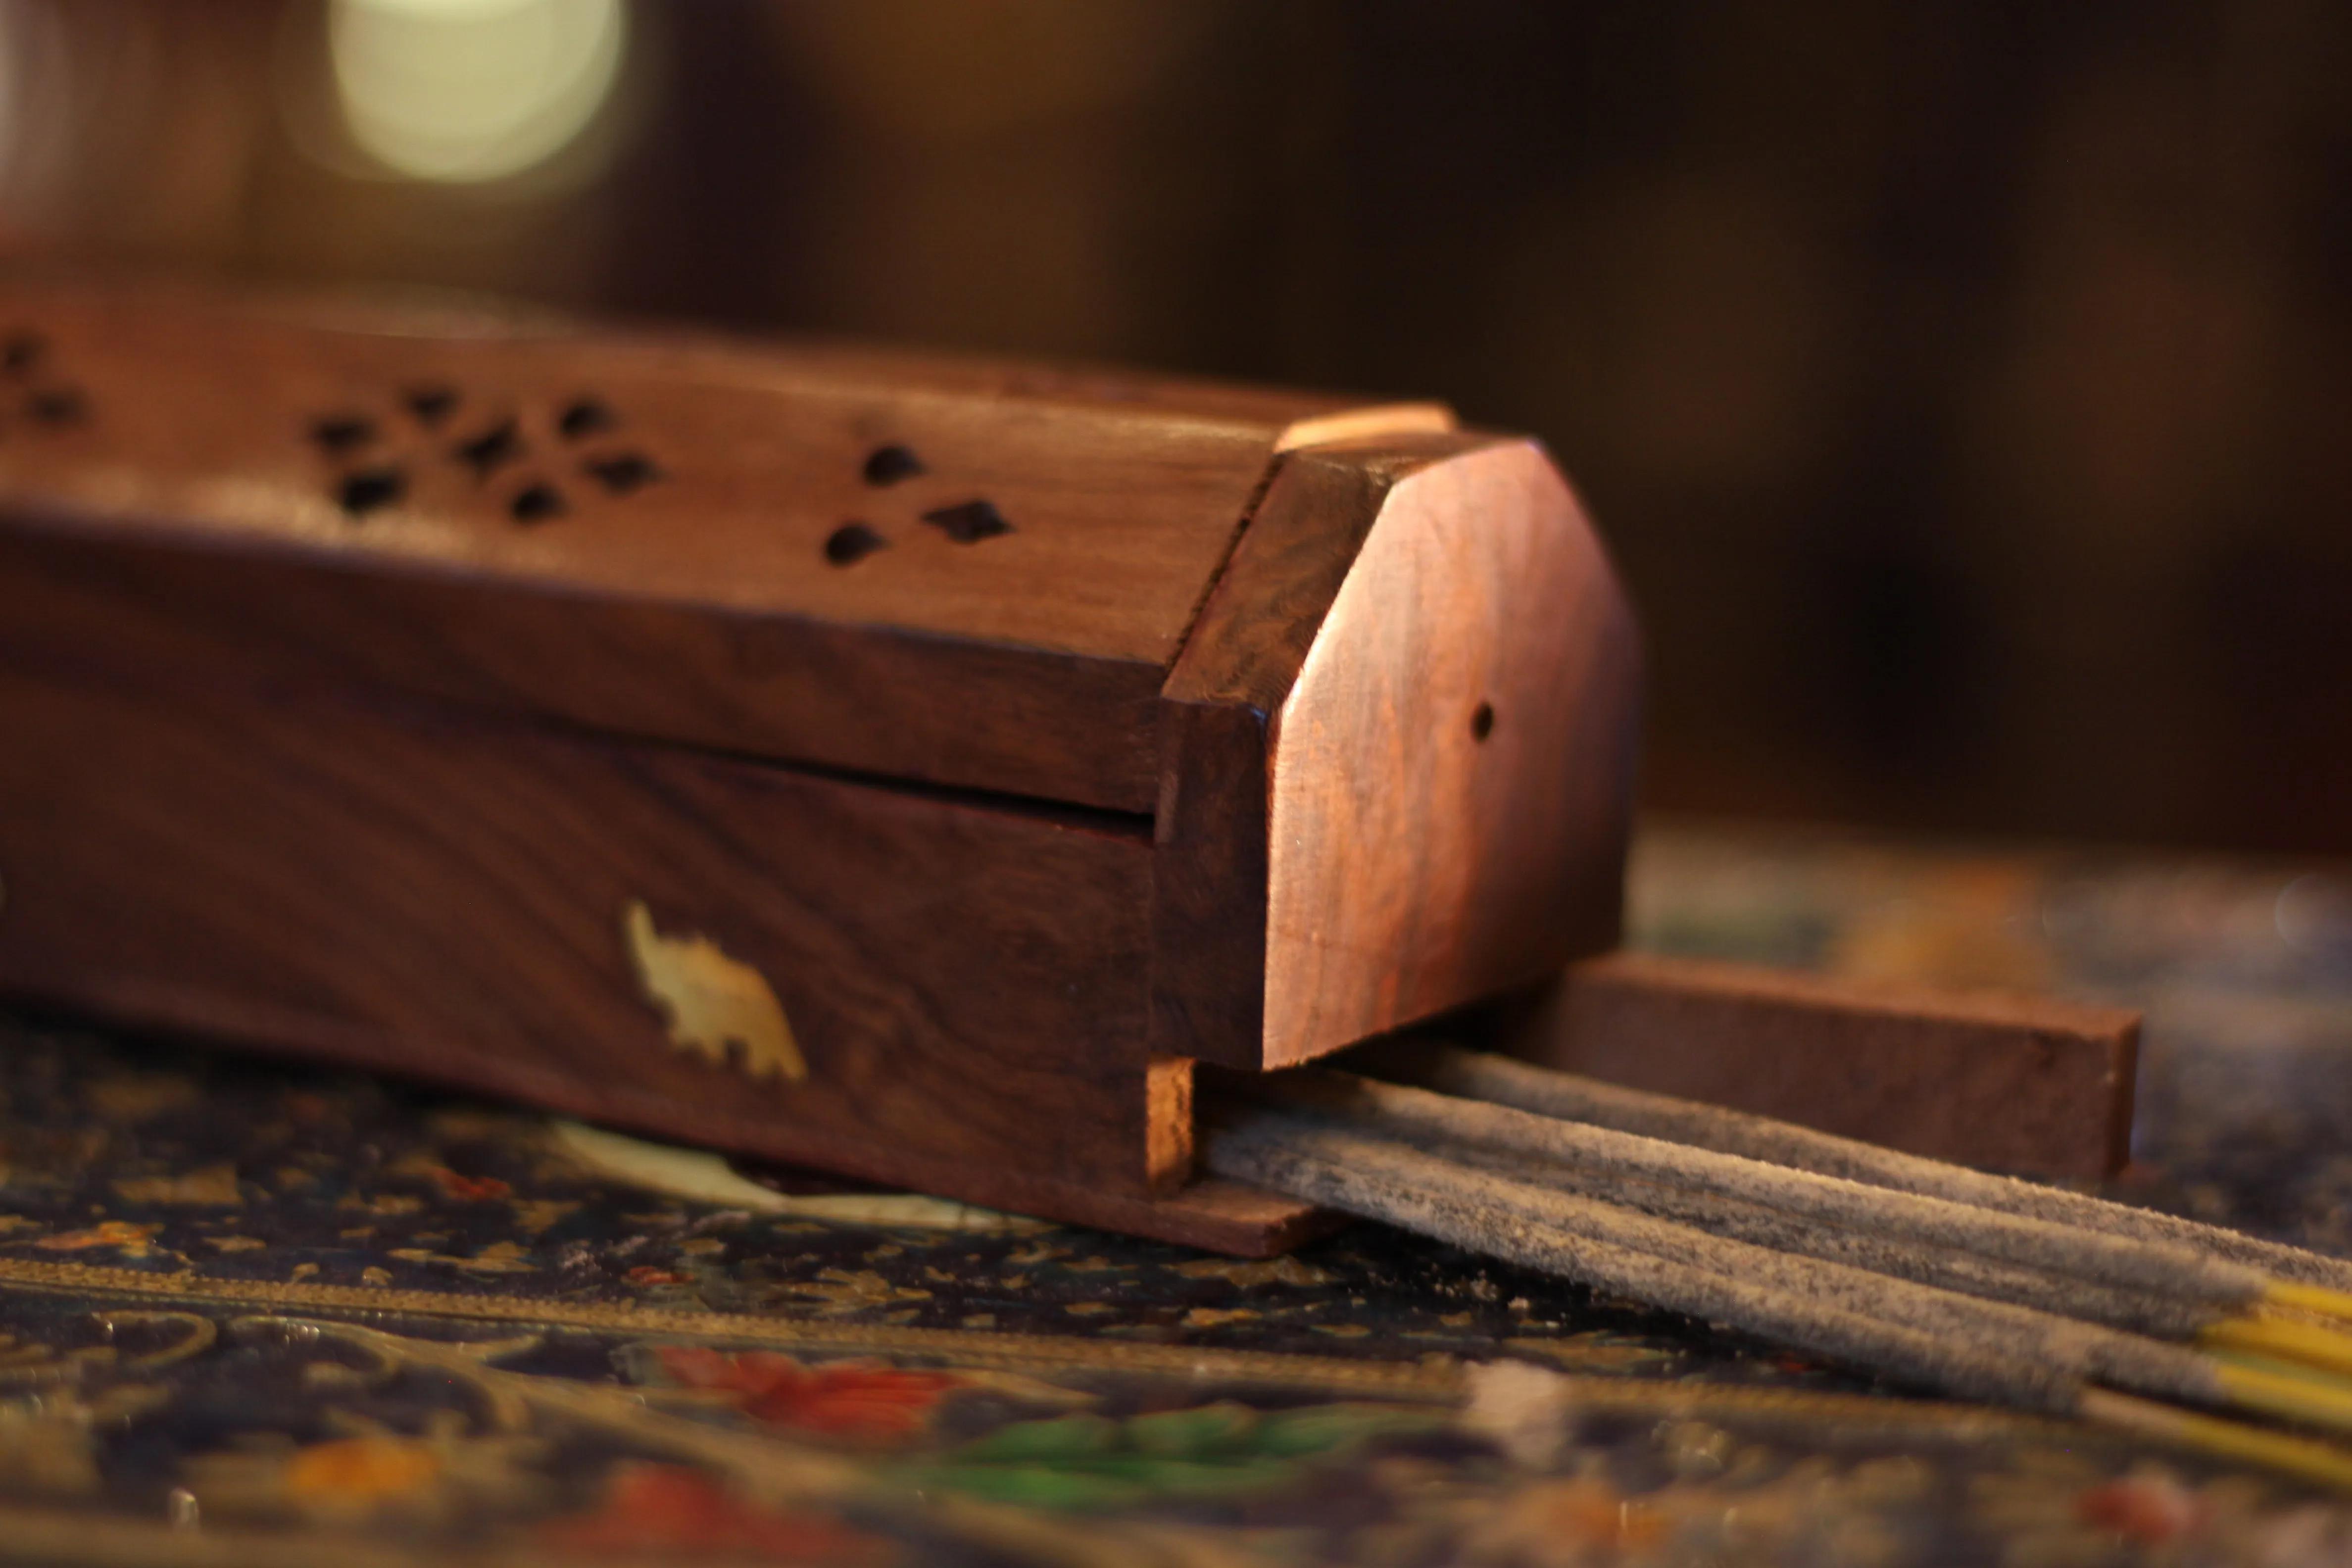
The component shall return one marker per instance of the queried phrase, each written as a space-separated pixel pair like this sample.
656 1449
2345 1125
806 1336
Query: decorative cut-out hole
20 351
1482 720
536 504
622 473
370 488
491 450
584 417
888 465
853 543
969 523
340 433
431 405
58 405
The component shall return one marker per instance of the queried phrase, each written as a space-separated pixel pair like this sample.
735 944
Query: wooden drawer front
965 986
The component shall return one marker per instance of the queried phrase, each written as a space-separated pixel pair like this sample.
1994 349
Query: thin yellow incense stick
2287 1339
2320 1462
2278 1368
2295 1394
2314 1299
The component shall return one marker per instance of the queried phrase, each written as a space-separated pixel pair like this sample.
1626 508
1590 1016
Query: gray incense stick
2119 1262
1503 1081
2137 1311
1967 1346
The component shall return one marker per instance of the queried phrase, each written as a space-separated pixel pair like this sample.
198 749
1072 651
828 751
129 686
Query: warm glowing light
472 89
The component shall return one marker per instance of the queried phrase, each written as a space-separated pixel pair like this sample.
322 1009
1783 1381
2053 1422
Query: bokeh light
469 91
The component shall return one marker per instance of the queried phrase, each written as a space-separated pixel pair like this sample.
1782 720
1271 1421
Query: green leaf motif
1211 1430
1068 1439
1080 1463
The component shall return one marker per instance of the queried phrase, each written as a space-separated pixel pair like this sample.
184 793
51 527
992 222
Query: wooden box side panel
1453 769
872 700
964 989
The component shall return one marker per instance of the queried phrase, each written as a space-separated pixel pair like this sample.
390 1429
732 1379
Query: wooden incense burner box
908 767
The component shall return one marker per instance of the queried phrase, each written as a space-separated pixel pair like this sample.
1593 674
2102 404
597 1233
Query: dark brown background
1967 387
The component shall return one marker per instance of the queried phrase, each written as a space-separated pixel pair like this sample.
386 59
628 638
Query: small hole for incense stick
853 543
490 450
623 473
888 465
340 433
536 504
431 405
969 523
22 352
584 417
58 405
1482 721
370 489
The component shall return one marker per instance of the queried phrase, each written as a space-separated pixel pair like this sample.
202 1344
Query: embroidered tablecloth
254 1313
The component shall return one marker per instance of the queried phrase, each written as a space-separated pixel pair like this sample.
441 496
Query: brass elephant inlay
717 1007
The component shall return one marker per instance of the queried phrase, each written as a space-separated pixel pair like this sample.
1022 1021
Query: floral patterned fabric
262 1313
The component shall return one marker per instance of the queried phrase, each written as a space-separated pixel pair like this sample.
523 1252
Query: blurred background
1965 386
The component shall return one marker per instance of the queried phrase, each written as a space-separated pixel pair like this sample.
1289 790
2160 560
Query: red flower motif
469 1189
650 1508
2150 1508
840 1401
652 1274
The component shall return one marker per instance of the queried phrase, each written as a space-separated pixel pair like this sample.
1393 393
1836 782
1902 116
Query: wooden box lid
959 573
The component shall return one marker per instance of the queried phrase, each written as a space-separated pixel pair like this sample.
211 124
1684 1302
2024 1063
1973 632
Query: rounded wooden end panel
1451 770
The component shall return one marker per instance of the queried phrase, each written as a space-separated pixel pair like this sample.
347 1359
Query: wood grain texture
1216 761
1453 779
653 515
2029 1085
437 896
1421 655
1208 886
867 699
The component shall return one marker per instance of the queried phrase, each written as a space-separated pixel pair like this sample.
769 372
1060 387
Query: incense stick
1989 1303
1501 1080
2312 1461
2285 1339
2137 1311
1965 1345
1318 1167
2119 1262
